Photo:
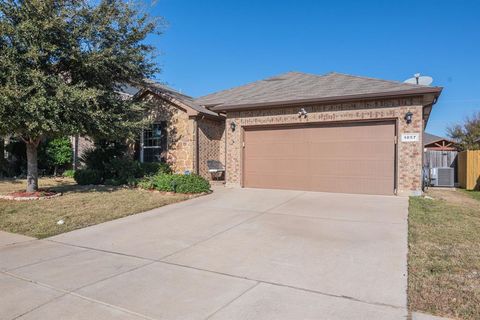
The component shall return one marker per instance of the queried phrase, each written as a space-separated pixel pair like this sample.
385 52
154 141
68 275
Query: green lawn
444 254
79 206
473 194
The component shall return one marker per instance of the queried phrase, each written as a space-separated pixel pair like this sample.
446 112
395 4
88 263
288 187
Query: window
154 143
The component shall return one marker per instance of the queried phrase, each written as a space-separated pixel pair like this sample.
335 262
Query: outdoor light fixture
302 113
408 117
233 125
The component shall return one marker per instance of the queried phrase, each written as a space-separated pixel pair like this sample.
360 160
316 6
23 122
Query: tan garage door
349 158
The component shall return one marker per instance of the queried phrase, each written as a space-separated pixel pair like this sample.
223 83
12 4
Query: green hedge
179 183
69 173
87 176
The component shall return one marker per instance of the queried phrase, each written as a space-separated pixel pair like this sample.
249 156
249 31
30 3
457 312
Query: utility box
442 177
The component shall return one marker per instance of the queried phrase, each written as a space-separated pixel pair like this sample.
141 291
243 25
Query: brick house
333 133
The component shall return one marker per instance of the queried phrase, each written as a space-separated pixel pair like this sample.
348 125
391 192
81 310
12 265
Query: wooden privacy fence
441 159
469 169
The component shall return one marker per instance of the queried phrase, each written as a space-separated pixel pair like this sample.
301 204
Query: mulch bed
25 196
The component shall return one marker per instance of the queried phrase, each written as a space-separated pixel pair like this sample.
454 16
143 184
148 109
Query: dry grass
472 194
79 206
444 254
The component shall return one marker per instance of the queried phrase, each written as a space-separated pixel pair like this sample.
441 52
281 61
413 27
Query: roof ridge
165 86
377 79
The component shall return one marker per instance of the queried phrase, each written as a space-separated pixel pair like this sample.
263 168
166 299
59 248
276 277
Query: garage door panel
277 181
277 166
352 158
267 150
350 168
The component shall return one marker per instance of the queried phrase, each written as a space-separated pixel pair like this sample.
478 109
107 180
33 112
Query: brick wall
211 144
180 133
409 160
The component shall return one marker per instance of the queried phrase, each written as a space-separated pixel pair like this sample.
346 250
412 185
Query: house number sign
410 137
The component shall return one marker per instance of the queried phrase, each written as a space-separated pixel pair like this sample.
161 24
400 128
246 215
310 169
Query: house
335 133
332 132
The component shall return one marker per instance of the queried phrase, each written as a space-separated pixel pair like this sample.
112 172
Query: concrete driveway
234 254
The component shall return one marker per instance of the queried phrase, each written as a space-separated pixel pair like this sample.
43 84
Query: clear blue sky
212 45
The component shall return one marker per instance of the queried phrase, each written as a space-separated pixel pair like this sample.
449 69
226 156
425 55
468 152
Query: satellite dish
421 80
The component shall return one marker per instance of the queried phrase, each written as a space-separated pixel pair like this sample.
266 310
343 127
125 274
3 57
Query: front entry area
345 158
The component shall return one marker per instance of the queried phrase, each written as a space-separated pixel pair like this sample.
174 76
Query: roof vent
274 79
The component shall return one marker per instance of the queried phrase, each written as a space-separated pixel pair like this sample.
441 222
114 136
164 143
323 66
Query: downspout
197 147
225 151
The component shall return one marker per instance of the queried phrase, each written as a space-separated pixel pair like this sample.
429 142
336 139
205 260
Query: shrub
191 183
18 153
153 168
69 173
87 176
102 153
122 170
147 183
180 183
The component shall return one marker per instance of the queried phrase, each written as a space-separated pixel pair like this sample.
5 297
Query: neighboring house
440 152
433 142
333 133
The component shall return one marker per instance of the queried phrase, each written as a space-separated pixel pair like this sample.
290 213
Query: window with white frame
154 143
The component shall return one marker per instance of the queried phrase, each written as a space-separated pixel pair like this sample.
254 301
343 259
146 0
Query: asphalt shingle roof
294 86
189 101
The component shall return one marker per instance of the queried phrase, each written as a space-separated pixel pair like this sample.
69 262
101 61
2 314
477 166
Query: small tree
467 134
62 63
59 152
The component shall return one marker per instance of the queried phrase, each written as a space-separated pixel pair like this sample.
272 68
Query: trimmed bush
191 183
122 170
69 173
153 168
147 183
87 176
179 183
103 152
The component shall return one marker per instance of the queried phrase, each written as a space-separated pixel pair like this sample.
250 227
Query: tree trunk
32 167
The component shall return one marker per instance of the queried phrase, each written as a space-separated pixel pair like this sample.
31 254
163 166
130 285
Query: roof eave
188 109
401 93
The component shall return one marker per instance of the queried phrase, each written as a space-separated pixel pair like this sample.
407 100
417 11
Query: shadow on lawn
75 188
63 186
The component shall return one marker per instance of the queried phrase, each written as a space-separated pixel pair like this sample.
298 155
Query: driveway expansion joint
333 219
286 286
73 293
233 300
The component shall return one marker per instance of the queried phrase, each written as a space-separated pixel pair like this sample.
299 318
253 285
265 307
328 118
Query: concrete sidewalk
234 254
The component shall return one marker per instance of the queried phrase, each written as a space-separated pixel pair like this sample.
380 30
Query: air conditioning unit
442 177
